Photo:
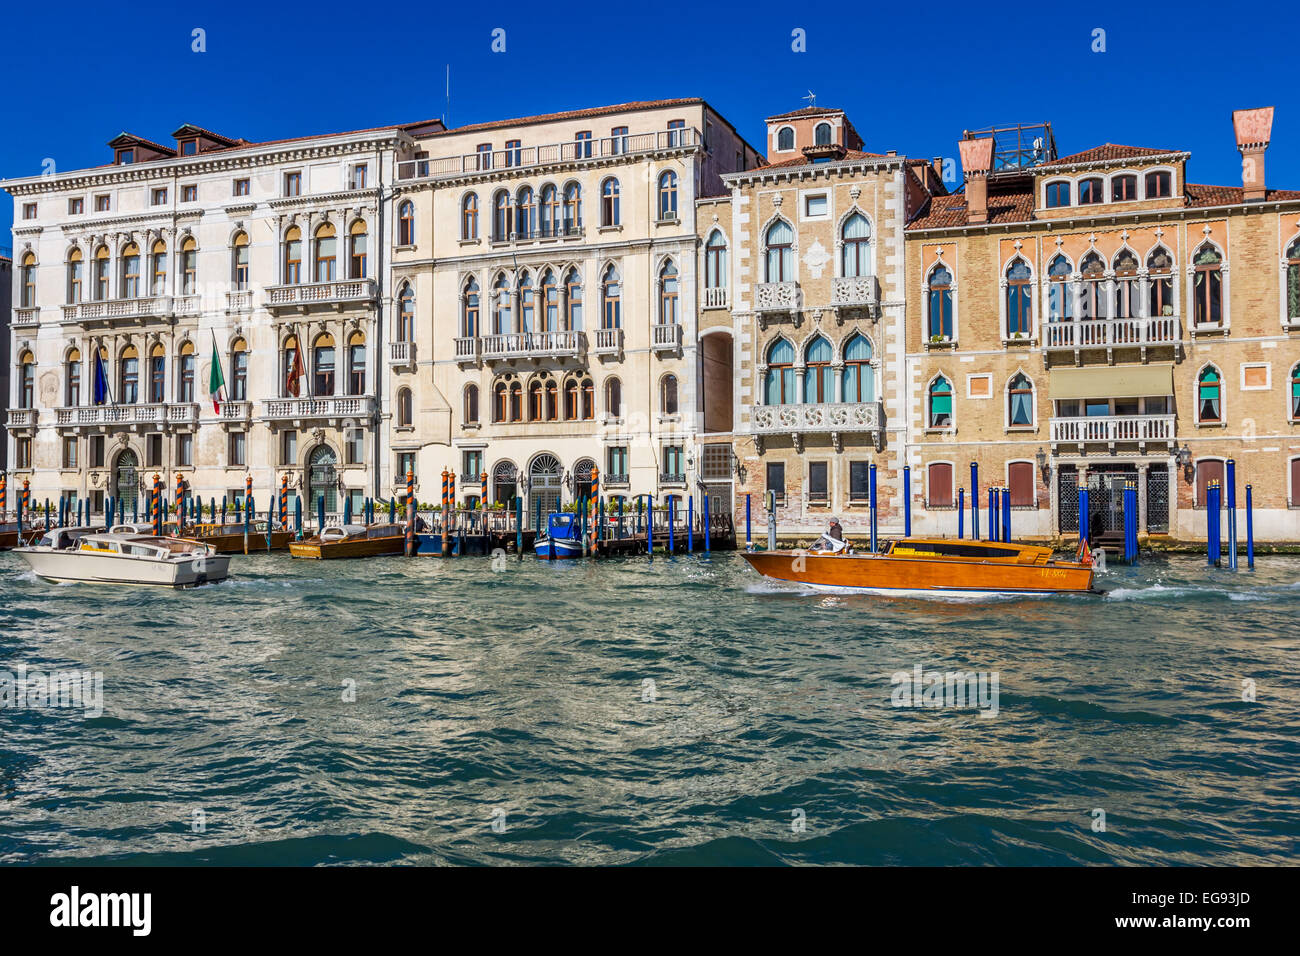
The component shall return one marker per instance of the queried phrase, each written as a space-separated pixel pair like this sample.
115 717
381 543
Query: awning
1109 381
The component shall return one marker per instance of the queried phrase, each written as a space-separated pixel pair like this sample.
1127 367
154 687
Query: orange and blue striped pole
410 512
446 523
284 502
595 499
180 502
4 494
27 503
156 504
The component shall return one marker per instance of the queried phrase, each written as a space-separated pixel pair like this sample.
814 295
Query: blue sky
910 77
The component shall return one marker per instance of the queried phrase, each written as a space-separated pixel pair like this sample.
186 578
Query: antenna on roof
811 98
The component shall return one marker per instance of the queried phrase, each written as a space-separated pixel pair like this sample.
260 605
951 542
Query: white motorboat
82 554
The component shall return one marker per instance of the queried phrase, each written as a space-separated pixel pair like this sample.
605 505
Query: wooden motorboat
563 537
352 541
89 556
913 566
11 537
225 538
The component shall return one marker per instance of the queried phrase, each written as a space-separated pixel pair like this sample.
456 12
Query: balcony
308 295
107 312
21 418
773 299
1109 429
25 318
667 338
831 418
240 300
559 230
468 349
129 416
401 354
513 346
856 293
608 342
236 412
672 478
715 298
334 410
1110 334
571 152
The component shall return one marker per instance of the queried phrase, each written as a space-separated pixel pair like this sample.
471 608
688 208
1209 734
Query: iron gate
1158 499
1067 498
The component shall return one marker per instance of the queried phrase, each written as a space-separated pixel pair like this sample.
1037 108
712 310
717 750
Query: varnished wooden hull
359 548
920 575
232 542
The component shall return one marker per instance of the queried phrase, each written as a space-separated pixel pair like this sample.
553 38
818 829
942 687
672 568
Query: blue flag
101 380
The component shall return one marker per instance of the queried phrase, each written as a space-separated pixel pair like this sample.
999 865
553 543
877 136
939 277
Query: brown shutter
1207 471
939 485
1295 483
1020 476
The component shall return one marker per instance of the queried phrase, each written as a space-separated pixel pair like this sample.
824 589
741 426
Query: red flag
298 369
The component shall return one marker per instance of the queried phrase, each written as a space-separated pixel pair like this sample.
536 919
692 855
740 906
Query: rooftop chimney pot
1253 129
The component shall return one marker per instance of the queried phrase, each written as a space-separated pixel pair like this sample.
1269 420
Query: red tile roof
1109 152
806 111
849 156
579 114
1229 195
946 212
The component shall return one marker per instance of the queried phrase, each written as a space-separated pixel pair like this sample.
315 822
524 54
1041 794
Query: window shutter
939 485
1020 476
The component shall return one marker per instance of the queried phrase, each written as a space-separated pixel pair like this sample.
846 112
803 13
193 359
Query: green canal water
676 711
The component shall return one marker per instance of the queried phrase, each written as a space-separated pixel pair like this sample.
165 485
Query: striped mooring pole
595 507
284 502
4 494
446 517
410 513
155 505
180 503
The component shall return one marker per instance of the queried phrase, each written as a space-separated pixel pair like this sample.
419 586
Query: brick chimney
1253 128
976 159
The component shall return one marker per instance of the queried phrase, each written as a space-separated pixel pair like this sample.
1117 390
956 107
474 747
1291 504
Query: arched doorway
505 484
126 480
582 478
545 479
322 478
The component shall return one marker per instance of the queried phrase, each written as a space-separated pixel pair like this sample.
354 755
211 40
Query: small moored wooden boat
224 538
913 566
352 541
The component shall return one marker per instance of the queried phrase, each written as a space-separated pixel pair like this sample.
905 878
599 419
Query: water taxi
225 538
352 541
928 566
563 537
90 556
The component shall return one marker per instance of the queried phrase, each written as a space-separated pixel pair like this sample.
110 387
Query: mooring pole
1232 513
771 520
1213 542
1250 532
874 525
961 513
907 501
974 501
1006 515
708 530
749 541
690 524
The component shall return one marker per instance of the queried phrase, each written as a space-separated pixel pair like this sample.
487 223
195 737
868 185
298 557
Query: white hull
95 568
563 548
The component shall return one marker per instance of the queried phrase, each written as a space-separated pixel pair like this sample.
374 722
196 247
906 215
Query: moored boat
225 538
563 537
352 541
925 566
94 557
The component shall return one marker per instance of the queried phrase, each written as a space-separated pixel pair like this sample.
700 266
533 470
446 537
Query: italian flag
216 380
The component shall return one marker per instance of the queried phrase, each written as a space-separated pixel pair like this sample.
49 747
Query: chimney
976 159
1253 128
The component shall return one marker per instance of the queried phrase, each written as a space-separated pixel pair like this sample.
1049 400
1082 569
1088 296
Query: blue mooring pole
993 514
1212 541
705 505
672 515
297 518
1232 513
874 525
749 541
650 526
907 501
519 526
974 501
1250 532
690 524
1006 515
961 513
1084 516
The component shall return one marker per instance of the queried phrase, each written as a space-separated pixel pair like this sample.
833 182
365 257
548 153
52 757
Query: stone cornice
113 223
1119 163
364 198
805 170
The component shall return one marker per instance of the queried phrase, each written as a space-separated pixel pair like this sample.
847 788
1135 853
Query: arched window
550 211
238 371
779 242
239 261
573 301
504 483
1123 188
938 308
1091 191
1093 299
75 276
406 223
525 214
1209 397
535 401
940 400
406 314
322 363
1293 284
189 266
325 254
469 216
822 134
667 196
779 380
785 138
130 258
72 392
1295 397
1207 286
501 319
471 404
26 380
715 261
550 302
357 363
1020 401
293 256
1160 282
614 397
571 410
668 395
358 247
611 311
609 212
516 402
1128 291
1159 185
405 412
856 255
1058 194
499 402
158 267
502 216
552 400
185 380
817 386
668 295
158 374
572 209
101 274
27 281
1060 301
527 304
469 308
1020 298
859 375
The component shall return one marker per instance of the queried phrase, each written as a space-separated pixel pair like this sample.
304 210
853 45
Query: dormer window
822 135
189 147
1091 192
785 138
1058 194
125 157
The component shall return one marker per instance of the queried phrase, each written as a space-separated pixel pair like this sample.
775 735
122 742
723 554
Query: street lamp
1185 460
1044 466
